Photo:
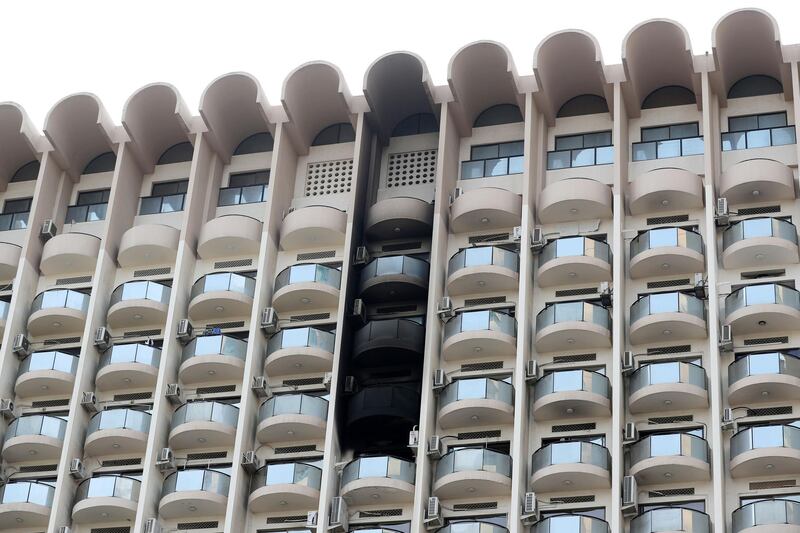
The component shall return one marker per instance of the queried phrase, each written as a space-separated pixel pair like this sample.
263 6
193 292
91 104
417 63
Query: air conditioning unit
76 469
458 191
538 240
311 519
413 441
350 385
439 380
260 387
361 257
531 371
89 402
700 286
530 509
630 503
21 347
165 462
184 333
151 525
338 516
250 462
174 394
48 231
433 514
435 447
728 421
722 215
327 380
628 362
516 233
445 309
605 294
726 338
7 408
359 313
269 321
102 339
630 434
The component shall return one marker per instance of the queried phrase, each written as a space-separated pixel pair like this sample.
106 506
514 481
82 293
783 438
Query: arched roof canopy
79 128
481 75
234 108
315 96
396 86
18 141
568 64
155 117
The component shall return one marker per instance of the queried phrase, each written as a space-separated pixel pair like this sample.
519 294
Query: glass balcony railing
119 419
4 306
645 151
571 381
206 411
61 298
141 290
663 237
11 221
570 523
581 157
765 293
477 389
669 445
667 372
249 194
575 247
379 467
27 492
310 273
51 360
393 328
131 353
766 513
468 526
759 437
577 452
393 265
224 281
473 460
483 256
301 338
668 302
671 519
758 227
108 486
222 345
294 404
742 140
556 313
196 480
286 474
485 320
86 213
48 426
774 363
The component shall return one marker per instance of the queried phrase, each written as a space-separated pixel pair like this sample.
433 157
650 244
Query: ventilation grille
183 526
296 449
50 403
227 325
562 428
120 529
133 396
667 220
121 462
314 316
664 350
205 456
329 177
151 272
143 333
577 358
572 499
492 237
283 520
667 283
475 367
778 484
770 411
72 281
216 389
759 210
766 340
665 493
396 309
488 434
477 506
37 468
411 168
377 513
670 419
302 381
576 292
401 246
63 340
472 302
310 256
235 263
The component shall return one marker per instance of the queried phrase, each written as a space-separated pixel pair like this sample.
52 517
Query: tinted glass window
166 188
585 104
416 124
93 197
757 85
498 114
20 205
669 96
335 134
245 179
177 153
102 163
27 172
256 143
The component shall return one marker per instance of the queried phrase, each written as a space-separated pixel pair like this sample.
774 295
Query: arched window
668 96
498 114
177 153
335 134
584 104
756 85
256 143
27 172
102 163
416 124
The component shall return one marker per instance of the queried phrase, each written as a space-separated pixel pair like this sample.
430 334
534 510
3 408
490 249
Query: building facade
558 303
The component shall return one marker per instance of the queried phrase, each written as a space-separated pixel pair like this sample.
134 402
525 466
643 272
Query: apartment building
556 303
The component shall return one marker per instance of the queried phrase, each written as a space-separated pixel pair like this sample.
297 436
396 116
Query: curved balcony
221 296
306 287
665 252
117 431
671 457
388 342
58 312
295 350
763 308
106 499
667 386
45 374
571 393
312 227
25 504
667 316
382 479
767 516
285 487
468 472
399 218
571 523
393 408
203 424
147 245
394 278
229 236
213 358
128 366
665 189
196 492
485 208
34 438
69 253
472 334
763 377
571 260
759 241
472 526
9 260
573 326
138 303
765 450
561 466
671 519
757 180
476 401
574 199
292 417
483 269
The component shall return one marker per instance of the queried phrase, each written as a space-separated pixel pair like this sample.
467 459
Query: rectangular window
15 214
165 197
662 142
758 131
90 207
245 188
582 150
494 160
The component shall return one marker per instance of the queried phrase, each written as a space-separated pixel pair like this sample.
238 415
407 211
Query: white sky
49 49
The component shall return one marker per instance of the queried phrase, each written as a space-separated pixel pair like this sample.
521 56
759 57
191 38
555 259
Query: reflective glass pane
764 363
496 167
569 247
767 436
692 146
663 237
569 143
252 195
734 141
604 155
679 131
583 158
661 445
471 169
571 380
516 164
488 151
373 467
758 138
478 256
229 196
512 149
772 120
171 204
644 151
96 212
294 337
655 134
471 389
474 320
743 123
669 149
602 138
664 303
150 205
782 136
664 373
756 227
277 474
569 312
556 160
759 294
